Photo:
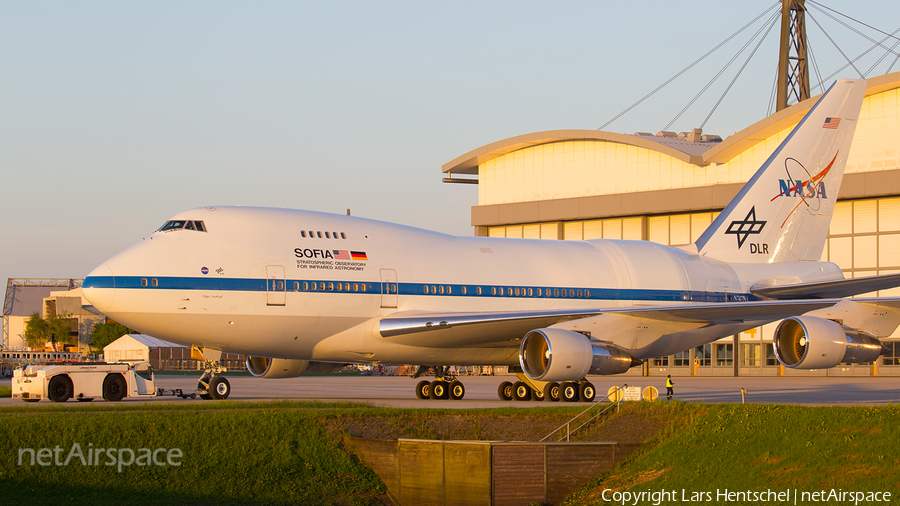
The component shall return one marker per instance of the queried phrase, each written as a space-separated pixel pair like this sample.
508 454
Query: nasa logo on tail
743 229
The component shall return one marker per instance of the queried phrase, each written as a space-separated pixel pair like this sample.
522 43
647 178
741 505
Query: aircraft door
389 288
275 293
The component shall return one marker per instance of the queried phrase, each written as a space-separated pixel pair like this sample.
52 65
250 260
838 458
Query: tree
105 333
54 329
37 332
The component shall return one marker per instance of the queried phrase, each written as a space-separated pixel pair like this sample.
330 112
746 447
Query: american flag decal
832 123
341 254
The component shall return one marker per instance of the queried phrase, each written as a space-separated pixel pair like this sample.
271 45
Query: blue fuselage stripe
417 289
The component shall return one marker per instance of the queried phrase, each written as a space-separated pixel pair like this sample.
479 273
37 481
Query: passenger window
501 290
538 292
449 290
144 282
571 292
477 290
556 292
579 293
426 289
493 290
529 292
343 236
587 293
433 289
319 234
334 234
463 290
355 287
303 233
330 287
346 287
312 235
154 282
327 235
363 286
339 286
517 291
441 290
305 285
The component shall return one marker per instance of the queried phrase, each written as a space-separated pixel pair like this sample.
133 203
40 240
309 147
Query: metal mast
793 71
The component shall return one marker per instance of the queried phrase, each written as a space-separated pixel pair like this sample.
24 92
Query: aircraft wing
449 329
829 289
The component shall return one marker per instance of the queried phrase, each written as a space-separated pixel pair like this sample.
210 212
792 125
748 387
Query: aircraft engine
563 355
809 342
263 367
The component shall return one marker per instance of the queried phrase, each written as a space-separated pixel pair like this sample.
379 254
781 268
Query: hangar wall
667 188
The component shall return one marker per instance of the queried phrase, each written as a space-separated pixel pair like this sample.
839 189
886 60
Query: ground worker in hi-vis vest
669 388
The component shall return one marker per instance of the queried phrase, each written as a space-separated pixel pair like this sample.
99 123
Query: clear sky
116 115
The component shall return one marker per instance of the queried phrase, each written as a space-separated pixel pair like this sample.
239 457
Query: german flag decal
359 255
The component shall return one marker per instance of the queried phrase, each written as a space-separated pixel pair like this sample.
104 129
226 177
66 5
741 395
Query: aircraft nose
99 288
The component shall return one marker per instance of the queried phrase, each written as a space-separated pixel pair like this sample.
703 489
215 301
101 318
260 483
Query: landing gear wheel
439 390
521 391
457 390
423 389
586 391
537 394
551 392
568 391
60 388
219 388
505 391
206 396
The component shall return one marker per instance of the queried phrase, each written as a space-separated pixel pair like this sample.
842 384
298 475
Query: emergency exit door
275 285
388 288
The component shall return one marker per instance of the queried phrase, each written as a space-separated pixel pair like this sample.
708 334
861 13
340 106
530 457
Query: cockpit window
182 225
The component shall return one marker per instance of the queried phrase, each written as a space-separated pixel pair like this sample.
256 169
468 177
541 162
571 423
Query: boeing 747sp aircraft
302 290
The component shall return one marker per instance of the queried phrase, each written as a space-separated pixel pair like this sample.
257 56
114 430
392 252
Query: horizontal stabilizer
829 289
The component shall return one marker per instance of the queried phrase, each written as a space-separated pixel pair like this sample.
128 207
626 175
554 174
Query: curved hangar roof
706 151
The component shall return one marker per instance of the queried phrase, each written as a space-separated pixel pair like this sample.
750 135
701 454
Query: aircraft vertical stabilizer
783 213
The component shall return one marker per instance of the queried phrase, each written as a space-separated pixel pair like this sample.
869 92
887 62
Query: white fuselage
263 282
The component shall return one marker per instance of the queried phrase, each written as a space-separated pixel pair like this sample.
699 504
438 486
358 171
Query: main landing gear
443 386
527 389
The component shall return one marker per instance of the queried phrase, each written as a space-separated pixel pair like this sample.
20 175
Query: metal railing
618 393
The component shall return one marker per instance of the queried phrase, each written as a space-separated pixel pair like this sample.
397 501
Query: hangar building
668 187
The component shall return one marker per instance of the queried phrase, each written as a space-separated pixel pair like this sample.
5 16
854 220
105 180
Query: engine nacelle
263 367
809 342
563 355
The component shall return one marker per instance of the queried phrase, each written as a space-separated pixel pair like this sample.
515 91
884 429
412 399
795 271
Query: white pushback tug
111 381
